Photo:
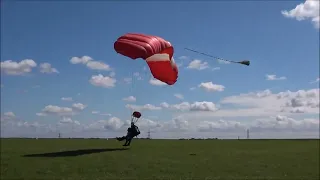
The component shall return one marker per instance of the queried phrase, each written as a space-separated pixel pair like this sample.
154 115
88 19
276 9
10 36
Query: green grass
161 159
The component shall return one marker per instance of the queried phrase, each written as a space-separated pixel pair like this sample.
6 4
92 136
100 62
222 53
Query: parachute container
157 52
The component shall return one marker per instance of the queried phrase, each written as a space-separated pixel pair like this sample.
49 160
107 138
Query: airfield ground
102 159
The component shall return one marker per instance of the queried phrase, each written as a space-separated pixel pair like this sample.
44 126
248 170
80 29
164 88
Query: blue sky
53 32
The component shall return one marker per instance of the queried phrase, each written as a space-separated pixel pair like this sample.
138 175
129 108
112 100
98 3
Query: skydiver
132 131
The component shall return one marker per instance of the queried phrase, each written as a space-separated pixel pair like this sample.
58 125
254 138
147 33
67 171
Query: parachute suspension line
245 62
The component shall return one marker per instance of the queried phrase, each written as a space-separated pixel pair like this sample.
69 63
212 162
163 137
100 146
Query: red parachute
156 51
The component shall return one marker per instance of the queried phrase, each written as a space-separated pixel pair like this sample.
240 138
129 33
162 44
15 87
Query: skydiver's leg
121 138
128 141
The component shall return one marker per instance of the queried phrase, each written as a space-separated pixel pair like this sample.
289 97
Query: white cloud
9 114
210 87
90 63
215 68
96 65
106 114
112 123
47 68
265 103
10 67
81 60
156 82
280 122
309 10
195 106
143 107
130 99
315 81
103 81
127 80
68 120
56 110
219 125
66 98
198 65
79 106
112 74
179 96
223 62
95 112
183 58
273 77
41 114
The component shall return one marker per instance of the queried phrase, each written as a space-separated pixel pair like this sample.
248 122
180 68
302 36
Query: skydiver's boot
121 138
126 143
129 142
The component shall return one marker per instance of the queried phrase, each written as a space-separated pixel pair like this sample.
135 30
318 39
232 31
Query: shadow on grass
75 152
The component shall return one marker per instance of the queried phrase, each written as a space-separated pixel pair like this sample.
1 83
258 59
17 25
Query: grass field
93 159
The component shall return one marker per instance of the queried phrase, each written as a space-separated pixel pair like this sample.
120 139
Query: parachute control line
244 62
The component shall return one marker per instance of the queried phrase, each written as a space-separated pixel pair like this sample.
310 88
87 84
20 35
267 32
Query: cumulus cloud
309 10
315 81
8 116
219 125
149 107
266 103
280 122
47 68
273 77
183 58
127 80
210 87
66 98
156 82
41 114
90 63
112 124
198 65
195 106
57 110
223 62
79 106
179 96
130 99
112 74
215 68
100 113
103 81
10 67
68 120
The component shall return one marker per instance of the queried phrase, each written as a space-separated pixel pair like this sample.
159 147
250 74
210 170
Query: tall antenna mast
149 134
248 134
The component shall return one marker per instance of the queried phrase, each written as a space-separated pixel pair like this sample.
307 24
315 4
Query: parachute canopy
136 114
157 52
